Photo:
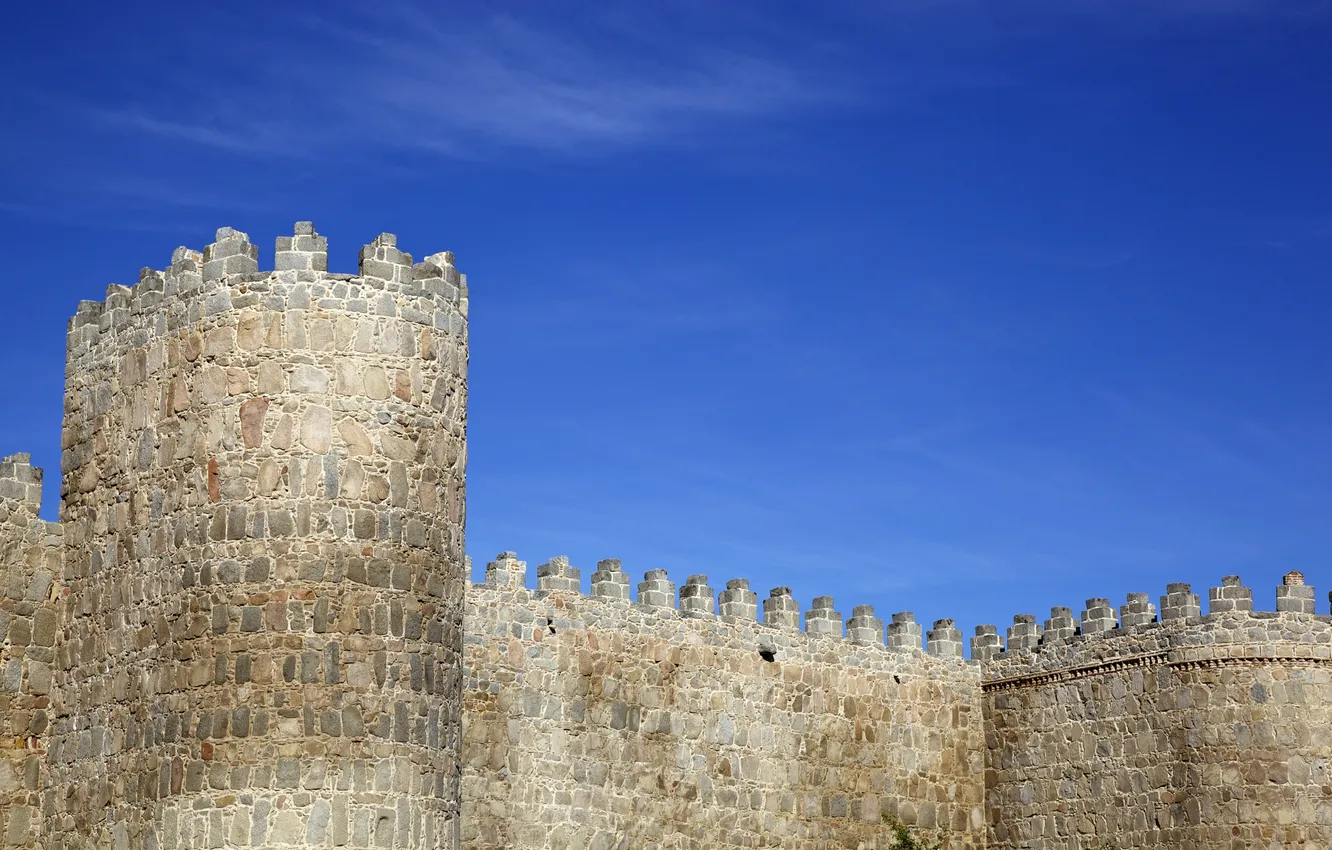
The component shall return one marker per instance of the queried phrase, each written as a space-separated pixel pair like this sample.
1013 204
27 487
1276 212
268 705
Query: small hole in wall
767 654
897 679
550 625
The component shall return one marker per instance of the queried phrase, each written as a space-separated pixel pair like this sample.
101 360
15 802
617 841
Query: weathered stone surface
356 438
317 429
252 413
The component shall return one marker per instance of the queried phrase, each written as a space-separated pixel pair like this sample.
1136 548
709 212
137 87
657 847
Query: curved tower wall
1187 731
264 502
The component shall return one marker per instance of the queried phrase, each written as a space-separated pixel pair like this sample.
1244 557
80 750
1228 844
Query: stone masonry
252 627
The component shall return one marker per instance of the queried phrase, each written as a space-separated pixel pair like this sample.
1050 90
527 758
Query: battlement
1066 641
226 275
1028 642
697 599
20 484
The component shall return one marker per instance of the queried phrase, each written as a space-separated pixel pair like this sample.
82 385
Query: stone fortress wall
253 627
593 721
596 722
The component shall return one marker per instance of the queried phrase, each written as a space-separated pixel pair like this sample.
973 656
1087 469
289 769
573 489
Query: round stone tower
263 502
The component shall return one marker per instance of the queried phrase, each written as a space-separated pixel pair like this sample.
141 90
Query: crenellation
1294 595
904 633
610 581
20 485
1062 625
738 601
1229 597
1137 610
87 313
656 590
305 251
1180 603
381 260
696 597
1025 633
865 628
822 619
944 640
781 609
558 574
231 253
987 643
506 571
1099 616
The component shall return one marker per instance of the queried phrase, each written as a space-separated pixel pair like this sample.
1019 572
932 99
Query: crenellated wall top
1067 639
736 603
21 496
226 276
1175 631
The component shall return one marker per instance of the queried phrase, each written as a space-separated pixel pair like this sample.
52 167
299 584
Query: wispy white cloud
467 88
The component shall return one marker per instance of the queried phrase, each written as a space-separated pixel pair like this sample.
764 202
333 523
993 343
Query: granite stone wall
30 568
597 722
1186 732
263 502
252 627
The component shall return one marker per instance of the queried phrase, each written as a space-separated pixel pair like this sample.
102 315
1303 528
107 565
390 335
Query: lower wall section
599 724
30 562
1215 733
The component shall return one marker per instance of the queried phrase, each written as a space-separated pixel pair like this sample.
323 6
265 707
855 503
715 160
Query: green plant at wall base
905 839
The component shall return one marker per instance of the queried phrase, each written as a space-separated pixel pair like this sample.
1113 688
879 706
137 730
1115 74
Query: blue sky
961 307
